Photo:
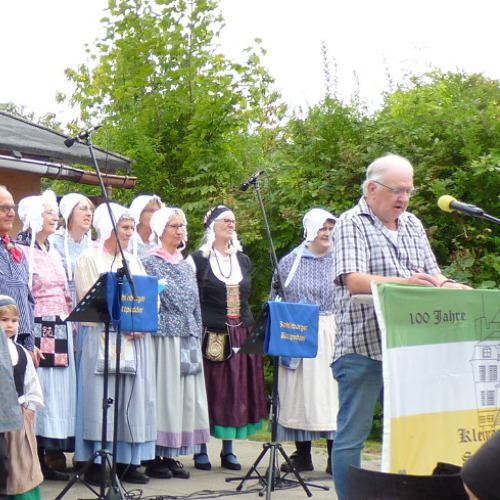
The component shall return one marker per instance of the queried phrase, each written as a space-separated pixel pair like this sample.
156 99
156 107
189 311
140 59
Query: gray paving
214 484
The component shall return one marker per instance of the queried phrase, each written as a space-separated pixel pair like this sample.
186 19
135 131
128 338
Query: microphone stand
491 218
124 271
121 273
272 477
116 490
479 214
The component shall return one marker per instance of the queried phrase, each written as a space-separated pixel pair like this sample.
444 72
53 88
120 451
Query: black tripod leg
70 484
78 477
300 479
297 475
271 472
251 470
115 491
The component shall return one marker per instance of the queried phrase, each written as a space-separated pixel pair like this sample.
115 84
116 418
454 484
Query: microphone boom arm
253 180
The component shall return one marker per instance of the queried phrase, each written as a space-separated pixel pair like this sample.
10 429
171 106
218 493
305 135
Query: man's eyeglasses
398 192
5 209
175 227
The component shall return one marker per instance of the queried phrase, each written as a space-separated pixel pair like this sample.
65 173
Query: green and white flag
441 364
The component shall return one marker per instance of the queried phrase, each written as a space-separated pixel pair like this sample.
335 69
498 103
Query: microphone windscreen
69 142
444 203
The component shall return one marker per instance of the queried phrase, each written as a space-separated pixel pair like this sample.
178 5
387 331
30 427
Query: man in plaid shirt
375 241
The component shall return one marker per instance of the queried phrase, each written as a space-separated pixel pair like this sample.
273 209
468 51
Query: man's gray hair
379 167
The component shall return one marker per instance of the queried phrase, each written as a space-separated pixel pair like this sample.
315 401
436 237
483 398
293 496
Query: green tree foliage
196 124
447 125
193 121
320 164
316 162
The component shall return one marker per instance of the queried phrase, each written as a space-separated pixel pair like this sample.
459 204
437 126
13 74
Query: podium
441 369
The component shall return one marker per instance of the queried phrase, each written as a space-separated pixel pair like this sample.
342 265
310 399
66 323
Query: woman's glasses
229 222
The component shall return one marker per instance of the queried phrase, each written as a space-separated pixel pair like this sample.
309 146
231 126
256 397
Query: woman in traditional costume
55 423
234 381
182 411
308 400
136 425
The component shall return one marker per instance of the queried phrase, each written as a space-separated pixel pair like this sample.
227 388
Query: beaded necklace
230 266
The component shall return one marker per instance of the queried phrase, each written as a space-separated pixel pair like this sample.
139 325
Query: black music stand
255 345
93 309
273 479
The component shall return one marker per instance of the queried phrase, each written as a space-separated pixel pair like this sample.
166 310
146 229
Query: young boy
25 474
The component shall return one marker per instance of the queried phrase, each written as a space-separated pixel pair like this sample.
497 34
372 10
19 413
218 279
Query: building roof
22 139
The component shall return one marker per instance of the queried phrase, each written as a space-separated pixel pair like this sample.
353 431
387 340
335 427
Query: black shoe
176 468
92 475
50 474
55 460
231 465
158 469
201 465
131 474
328 469
300 463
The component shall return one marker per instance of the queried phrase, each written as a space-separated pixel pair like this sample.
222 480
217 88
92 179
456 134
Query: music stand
93 309
255 345
273 478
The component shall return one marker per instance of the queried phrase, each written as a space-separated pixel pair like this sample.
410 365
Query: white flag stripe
432 378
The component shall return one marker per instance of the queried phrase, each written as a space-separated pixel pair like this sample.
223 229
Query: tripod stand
272 478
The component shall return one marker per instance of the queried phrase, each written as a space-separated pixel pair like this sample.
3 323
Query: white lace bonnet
312 221
161 218
66 206
30 212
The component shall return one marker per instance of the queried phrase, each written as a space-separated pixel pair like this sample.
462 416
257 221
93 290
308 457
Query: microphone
252 180
84 134
449 204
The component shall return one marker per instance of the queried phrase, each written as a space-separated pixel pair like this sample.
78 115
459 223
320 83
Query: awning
25 140
63 172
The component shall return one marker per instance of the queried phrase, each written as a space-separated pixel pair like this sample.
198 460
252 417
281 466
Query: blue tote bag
292 330
137 313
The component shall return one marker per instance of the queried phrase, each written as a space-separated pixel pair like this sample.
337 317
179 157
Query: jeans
359 383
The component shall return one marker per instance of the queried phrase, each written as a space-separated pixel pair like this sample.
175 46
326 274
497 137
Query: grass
263 435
